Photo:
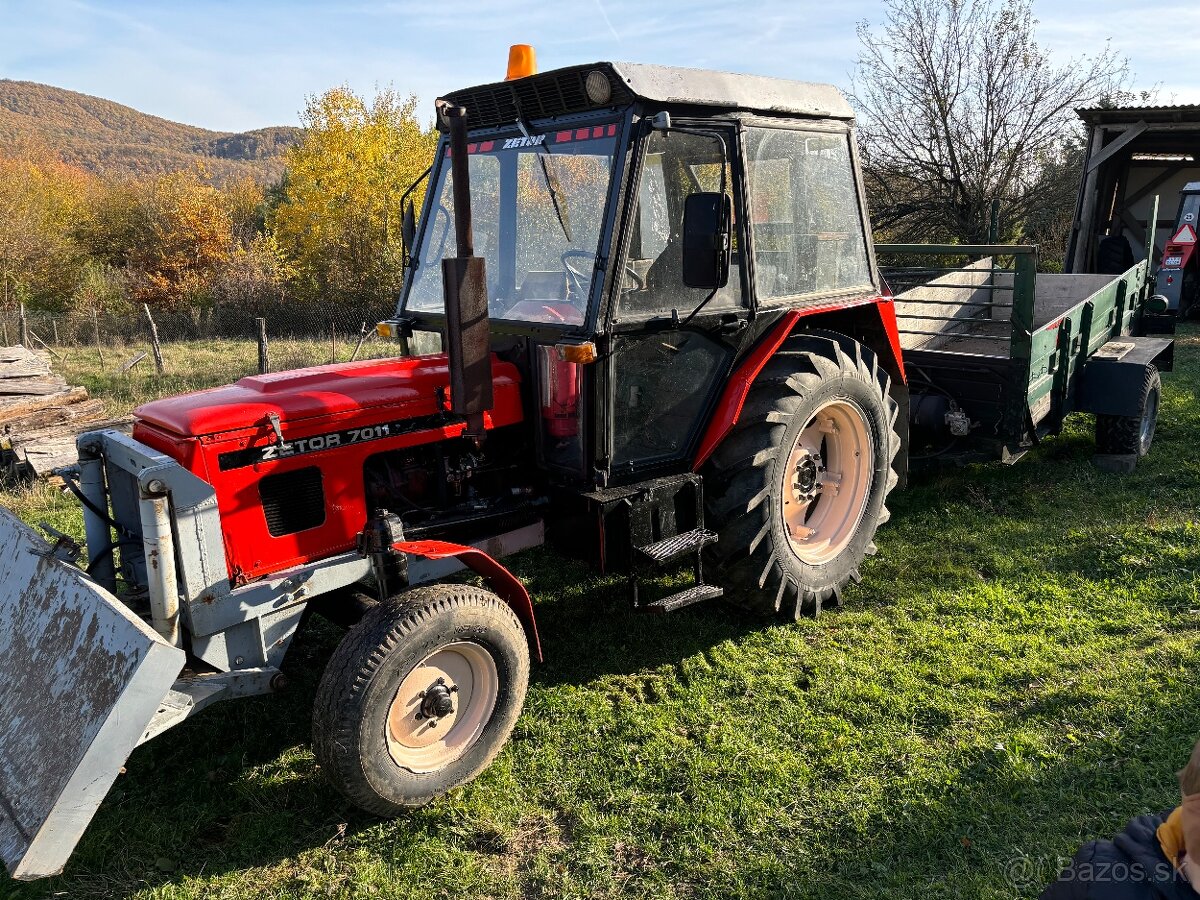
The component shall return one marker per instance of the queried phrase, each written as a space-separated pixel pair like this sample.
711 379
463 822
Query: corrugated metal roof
1099 115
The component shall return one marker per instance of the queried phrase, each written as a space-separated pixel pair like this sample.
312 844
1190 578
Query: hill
109 138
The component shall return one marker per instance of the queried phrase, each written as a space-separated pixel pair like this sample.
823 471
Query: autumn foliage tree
193 242
41 200
338 219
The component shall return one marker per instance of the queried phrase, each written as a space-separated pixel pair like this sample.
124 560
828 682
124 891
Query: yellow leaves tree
41 200
338 221
183 236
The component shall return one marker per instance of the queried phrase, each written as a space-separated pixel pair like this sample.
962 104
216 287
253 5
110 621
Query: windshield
538 203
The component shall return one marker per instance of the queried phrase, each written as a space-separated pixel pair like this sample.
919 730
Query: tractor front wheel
799 487
420 696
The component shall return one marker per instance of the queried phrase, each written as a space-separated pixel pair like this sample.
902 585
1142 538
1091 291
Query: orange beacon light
522 61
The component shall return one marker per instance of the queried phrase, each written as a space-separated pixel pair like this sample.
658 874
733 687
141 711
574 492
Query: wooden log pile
40 415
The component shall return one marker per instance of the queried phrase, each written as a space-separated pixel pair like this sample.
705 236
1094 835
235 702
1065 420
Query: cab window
676 164
806 220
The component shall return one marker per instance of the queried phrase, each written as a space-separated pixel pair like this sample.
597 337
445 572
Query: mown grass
1017 673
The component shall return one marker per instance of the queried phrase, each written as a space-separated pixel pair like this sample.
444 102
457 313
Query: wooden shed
1134 153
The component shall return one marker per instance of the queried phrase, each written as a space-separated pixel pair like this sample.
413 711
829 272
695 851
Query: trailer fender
879 313
1112 379
498 578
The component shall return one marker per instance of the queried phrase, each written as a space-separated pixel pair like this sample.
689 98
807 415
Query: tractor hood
400 388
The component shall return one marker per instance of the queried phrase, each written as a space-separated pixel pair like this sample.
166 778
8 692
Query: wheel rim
1149 417
827 481
442 706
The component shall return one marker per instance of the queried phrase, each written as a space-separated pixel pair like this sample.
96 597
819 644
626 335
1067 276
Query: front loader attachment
80 679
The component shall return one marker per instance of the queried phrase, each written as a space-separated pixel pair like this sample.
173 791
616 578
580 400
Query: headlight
599 91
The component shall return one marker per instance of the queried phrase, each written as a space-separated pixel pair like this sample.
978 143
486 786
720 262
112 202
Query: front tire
798 489
420 696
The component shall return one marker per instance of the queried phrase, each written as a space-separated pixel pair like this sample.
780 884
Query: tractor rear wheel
420 696
798 488
1132 435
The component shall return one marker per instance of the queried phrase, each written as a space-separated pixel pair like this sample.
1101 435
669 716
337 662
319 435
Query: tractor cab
642 227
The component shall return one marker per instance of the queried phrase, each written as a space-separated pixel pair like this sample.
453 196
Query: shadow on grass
238 787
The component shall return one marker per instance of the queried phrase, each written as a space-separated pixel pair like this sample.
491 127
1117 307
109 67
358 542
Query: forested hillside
108 138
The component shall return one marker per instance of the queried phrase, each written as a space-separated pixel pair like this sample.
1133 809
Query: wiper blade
552 182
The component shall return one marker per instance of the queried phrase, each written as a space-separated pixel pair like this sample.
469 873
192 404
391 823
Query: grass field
1017 672
191 365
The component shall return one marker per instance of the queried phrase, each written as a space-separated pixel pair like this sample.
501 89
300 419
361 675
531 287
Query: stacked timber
40 415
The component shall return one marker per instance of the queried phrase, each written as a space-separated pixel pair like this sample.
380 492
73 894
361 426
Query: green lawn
1016 673
191 365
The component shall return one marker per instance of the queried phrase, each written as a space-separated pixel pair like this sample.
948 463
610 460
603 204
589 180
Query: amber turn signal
522 61
577 353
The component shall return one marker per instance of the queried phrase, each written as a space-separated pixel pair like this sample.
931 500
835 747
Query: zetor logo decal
249 456
320 442
514 143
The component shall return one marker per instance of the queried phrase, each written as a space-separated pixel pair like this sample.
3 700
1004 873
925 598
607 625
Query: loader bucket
80 679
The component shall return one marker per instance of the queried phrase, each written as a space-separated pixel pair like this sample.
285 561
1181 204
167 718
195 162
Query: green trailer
997 354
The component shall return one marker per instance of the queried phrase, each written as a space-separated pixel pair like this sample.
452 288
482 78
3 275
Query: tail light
559 389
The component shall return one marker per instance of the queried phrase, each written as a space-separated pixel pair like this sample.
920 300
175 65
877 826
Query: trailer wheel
420 696
797 491
1132 435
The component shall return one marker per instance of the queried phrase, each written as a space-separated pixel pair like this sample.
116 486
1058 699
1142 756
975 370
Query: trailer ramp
80 679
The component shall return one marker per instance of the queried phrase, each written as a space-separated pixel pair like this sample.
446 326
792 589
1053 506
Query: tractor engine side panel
305 499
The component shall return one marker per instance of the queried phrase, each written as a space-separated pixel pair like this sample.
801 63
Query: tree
182 236
41 199
958 105
337 213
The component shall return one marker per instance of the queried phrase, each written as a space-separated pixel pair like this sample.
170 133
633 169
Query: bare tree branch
958 106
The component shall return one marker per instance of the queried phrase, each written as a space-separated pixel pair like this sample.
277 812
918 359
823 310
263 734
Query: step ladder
652 559
653 513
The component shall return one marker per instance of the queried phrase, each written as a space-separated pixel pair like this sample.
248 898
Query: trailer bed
1055 297
983 333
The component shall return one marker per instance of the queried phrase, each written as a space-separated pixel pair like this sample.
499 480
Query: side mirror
408 226
706 244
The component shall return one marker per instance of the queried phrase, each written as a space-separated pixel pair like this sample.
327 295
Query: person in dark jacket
1149 860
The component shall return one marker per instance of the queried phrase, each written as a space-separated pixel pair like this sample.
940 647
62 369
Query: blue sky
240 65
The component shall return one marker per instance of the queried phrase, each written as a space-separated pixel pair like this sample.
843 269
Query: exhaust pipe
464 289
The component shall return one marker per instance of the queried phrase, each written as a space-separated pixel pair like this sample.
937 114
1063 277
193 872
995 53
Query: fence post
22 325
96 332
332 342
264 361
362 336
5 324
54 325
158 358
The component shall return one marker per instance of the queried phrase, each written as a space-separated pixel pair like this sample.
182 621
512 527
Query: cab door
672 345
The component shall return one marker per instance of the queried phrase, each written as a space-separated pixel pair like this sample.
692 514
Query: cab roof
564 91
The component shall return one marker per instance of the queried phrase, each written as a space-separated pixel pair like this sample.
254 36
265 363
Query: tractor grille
537 97
293 501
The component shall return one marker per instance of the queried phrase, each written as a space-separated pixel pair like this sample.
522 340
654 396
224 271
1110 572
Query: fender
498 578
729 407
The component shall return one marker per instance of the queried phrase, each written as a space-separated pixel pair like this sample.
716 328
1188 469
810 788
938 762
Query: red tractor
642 322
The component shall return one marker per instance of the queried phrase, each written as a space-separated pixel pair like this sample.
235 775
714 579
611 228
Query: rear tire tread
739 506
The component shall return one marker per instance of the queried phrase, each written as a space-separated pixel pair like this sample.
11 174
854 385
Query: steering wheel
575 277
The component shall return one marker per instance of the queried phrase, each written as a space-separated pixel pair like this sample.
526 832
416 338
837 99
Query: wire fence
273 337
